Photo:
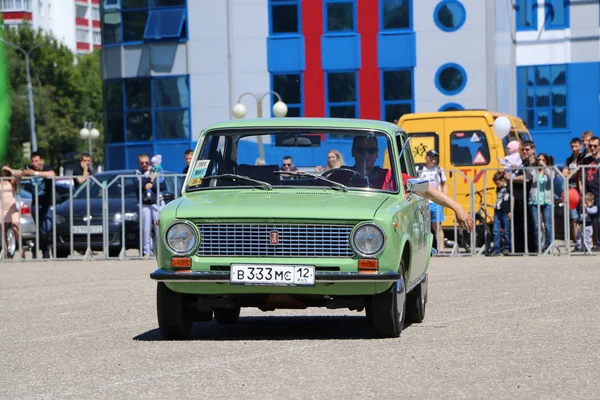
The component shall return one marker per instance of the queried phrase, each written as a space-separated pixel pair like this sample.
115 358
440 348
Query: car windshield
345 159
128 185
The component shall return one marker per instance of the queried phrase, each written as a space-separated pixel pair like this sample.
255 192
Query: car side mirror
168 196
417 185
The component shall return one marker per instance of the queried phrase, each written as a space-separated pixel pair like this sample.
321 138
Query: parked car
246 234
104 223
26 226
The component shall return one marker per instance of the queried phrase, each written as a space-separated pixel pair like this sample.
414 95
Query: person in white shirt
437 179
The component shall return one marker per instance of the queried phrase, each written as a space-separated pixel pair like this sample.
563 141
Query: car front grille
266 240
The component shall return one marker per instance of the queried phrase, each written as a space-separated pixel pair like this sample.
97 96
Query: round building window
449 15
450 79
451 107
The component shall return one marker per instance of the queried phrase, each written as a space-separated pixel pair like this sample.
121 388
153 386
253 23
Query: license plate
87 229
273 275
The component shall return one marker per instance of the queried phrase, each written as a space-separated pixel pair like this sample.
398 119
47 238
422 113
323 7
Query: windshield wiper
264 185
319 177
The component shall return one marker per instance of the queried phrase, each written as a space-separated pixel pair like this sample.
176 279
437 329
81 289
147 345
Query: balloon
501 127
574 198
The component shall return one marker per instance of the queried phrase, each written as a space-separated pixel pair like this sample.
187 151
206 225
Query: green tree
67 90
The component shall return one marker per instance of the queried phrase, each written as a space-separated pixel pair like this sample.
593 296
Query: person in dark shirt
502 214
83 170
591 174
571 164
41 180
187 156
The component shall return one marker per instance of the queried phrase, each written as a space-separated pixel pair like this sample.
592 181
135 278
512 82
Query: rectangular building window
341 98
81 11
556 14
284 17
97 37
82 35
397 93
396 14
542 96
526 13
340 16
132 22
95 13
142 109
289 87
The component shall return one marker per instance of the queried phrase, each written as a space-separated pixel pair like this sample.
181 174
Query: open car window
286 158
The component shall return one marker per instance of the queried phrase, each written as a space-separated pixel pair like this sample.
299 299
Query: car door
419 212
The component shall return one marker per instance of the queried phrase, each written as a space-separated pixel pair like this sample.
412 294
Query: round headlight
368 240
181 238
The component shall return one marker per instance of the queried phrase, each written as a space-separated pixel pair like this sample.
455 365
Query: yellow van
466 142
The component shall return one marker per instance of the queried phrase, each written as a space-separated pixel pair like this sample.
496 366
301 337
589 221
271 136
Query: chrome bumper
223 277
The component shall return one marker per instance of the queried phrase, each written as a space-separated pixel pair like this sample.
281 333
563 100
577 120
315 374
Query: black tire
483 236
114 251
369 312
172 319
62 253
416 303
227 316
389 309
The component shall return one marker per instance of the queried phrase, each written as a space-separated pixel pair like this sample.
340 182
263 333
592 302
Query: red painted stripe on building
95 1
81 21
314 79
368 75
97 46
83 46
96 23
16 15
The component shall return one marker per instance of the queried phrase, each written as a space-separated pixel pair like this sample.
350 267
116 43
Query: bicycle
483 227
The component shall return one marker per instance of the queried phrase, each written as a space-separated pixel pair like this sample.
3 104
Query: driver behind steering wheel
365 150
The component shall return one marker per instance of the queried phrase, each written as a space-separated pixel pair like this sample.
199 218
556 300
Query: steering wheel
346 176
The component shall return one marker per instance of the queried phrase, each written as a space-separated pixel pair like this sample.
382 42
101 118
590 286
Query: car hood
288 204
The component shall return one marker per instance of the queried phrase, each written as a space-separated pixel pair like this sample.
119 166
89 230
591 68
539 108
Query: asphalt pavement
501 328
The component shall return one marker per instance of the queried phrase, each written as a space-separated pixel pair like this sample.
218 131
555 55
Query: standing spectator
502 214
521 187
41 182
187 156
151 203
82 171
541 198
437 179
592 175
585 138
584 235
571 165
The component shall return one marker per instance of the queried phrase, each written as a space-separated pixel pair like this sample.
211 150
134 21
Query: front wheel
389 309
173 321
416 302
11 242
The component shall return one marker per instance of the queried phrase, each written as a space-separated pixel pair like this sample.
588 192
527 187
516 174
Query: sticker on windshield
195 181
200 169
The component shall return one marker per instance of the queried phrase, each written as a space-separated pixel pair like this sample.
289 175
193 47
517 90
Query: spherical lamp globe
239 111
280 109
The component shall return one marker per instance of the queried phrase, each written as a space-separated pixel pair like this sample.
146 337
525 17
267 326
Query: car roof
306 122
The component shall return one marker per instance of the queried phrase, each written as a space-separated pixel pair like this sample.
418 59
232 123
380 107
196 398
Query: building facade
171 67
76 23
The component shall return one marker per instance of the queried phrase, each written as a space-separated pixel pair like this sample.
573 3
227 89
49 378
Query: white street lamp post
29 90
88 134
280 110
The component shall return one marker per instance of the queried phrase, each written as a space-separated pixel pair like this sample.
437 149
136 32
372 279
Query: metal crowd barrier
117 205
104 220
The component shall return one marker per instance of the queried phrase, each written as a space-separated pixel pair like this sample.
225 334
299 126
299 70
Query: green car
271 217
